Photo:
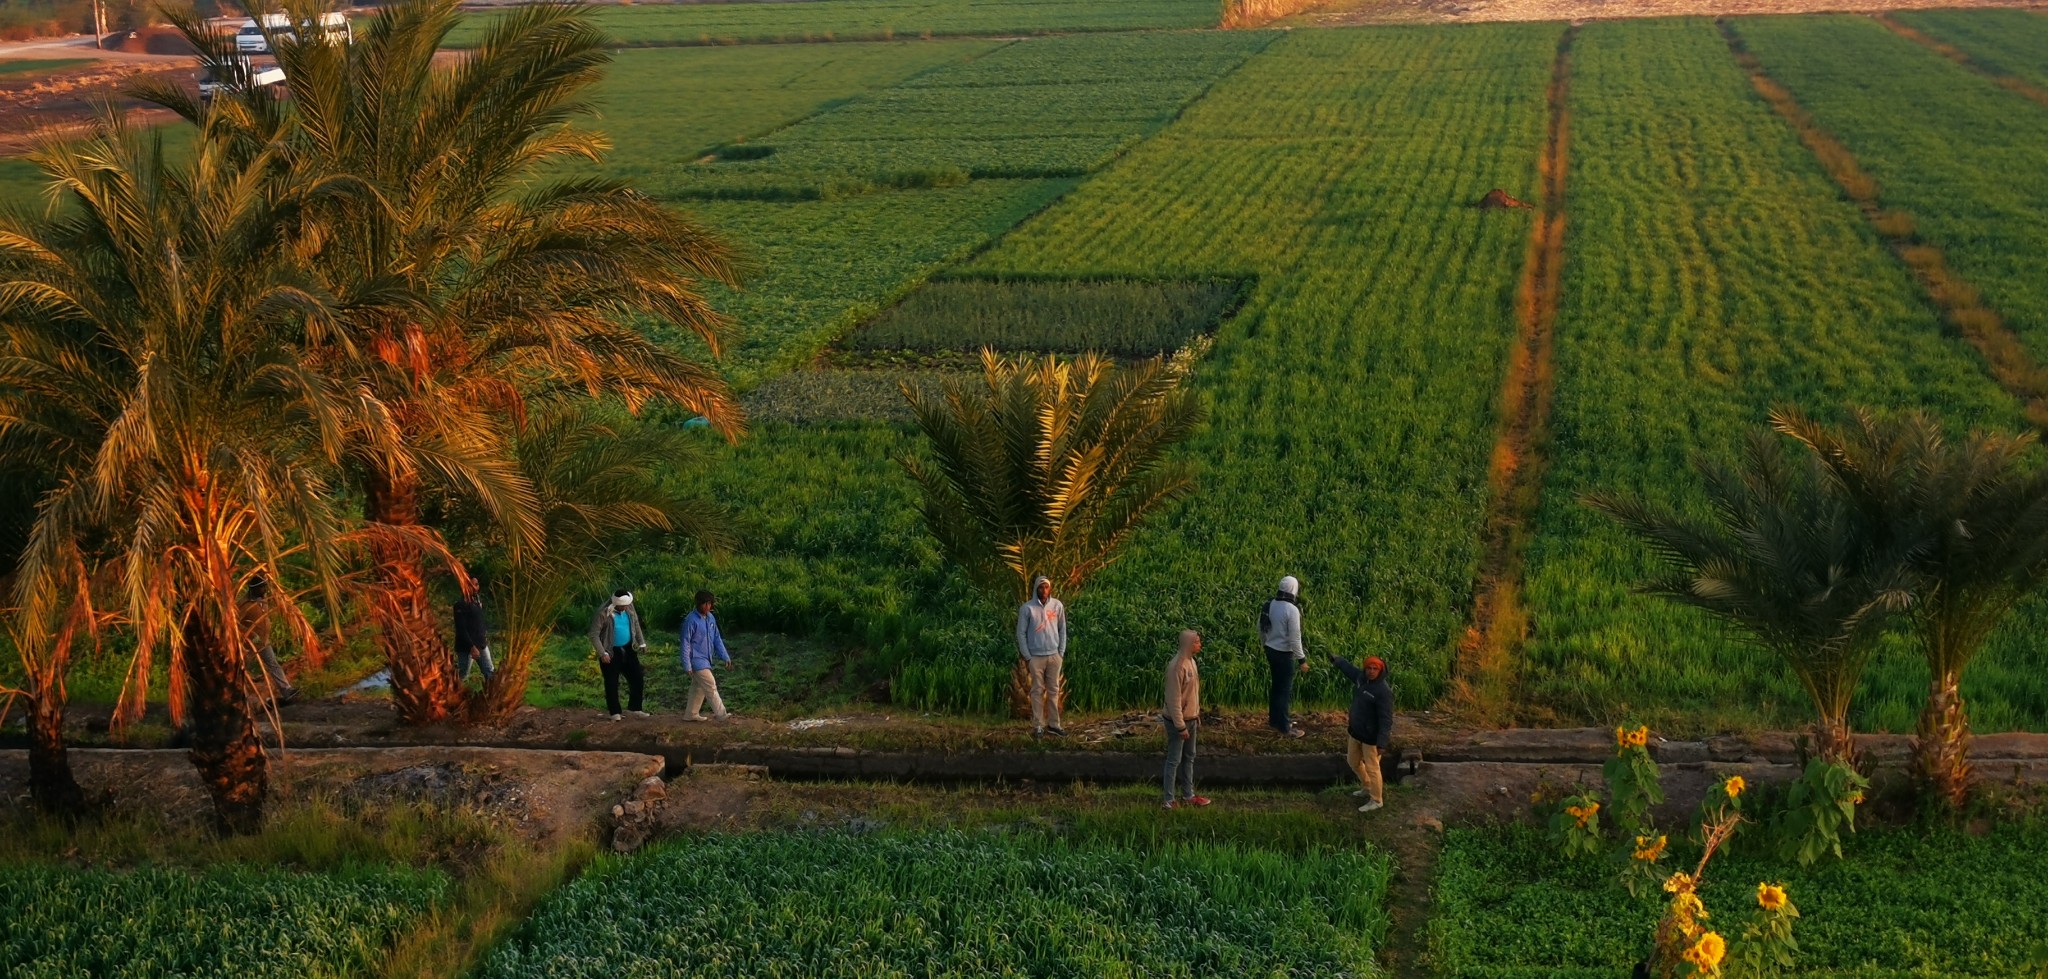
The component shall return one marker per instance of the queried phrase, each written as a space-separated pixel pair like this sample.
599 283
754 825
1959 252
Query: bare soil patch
543 796
1340 13
63 102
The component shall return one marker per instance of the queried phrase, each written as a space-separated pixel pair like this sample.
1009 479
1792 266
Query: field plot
226 923
1050 107
1122 317
849 20
1712 273
1508 907
665 107
1353 397
2006 42
946 905
1960 154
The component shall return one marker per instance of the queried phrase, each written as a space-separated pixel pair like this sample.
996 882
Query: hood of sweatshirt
1036 583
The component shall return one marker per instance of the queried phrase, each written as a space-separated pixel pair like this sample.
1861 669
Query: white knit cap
623 600
1289 586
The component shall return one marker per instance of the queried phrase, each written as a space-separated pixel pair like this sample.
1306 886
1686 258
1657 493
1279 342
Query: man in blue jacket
1370 724
701 643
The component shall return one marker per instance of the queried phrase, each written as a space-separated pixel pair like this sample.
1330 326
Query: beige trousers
702 686
1364 759
1045 690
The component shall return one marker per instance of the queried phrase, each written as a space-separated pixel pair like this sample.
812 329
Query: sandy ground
1340 13
63 101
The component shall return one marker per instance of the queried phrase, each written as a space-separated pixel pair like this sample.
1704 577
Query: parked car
254 35
241 74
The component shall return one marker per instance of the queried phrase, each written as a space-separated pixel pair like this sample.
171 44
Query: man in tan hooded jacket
1182 714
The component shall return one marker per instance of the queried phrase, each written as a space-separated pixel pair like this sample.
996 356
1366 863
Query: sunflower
1650 851
1680 881
1639 738
1584 814
1707 952
1770 897
1734 786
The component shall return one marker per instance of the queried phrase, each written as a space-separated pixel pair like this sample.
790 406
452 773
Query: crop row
1050 107
1353 396
229 922
1712 273
945 905
1508 907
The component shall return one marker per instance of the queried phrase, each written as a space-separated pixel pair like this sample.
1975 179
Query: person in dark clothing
1369 726
616 636
1280 633
279 685
471 639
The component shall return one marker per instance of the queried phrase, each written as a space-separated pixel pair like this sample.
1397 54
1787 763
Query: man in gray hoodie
1042 648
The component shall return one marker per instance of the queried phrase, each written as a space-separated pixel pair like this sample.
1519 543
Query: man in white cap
615 634
1280 633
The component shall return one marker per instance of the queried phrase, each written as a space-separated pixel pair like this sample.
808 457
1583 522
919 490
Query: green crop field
1117 316
1712 273
946 905
851 20
2009 42
1959 153
228 922
1508 907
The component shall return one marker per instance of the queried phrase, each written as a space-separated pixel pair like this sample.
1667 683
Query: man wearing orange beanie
1370 723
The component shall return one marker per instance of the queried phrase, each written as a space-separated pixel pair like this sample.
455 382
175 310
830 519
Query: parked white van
333 28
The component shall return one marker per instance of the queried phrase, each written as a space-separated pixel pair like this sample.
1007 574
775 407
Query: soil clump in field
1498 199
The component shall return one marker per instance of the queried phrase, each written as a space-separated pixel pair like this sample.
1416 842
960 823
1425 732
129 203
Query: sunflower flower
1734 786
1770 897
1680 881
1707 952
1650 851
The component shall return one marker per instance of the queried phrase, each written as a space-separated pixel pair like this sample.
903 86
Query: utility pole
99 26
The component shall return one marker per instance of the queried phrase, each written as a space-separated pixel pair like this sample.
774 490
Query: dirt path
1341 13
1960 304
1488 657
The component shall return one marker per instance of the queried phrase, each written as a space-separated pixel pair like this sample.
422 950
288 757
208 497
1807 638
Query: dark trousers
625 662
463 654
1280 699
1180 761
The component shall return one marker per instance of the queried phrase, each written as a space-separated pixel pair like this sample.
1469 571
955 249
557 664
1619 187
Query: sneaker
640 713
1195 800
723 717
1369 806
1360 794
618 717
696 717
1038 732
1056 732
1168 805
1296 732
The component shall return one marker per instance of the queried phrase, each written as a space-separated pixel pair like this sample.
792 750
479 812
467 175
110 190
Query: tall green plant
473 278
153 364
1788 562
598 477
1047 466
1971 519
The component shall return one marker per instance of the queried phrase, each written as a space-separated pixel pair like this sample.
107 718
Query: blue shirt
622 629
701 642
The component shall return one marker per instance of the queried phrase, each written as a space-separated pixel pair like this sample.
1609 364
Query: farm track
1487 655
1960 304
2014 84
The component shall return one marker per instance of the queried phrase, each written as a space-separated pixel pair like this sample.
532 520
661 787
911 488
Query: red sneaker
1196 801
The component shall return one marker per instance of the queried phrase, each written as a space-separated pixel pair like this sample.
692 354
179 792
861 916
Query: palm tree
1973 521
598 476
153 366
1787 561
477 275
1045 466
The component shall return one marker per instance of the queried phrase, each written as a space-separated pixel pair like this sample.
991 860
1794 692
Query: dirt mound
150 40
1498 199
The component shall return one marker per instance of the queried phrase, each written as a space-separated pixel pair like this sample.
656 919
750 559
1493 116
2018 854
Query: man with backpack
1280 633
1369 726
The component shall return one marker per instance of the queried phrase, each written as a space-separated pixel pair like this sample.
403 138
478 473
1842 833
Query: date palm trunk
424 687
1835 740
225 747
50 782
1942 753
